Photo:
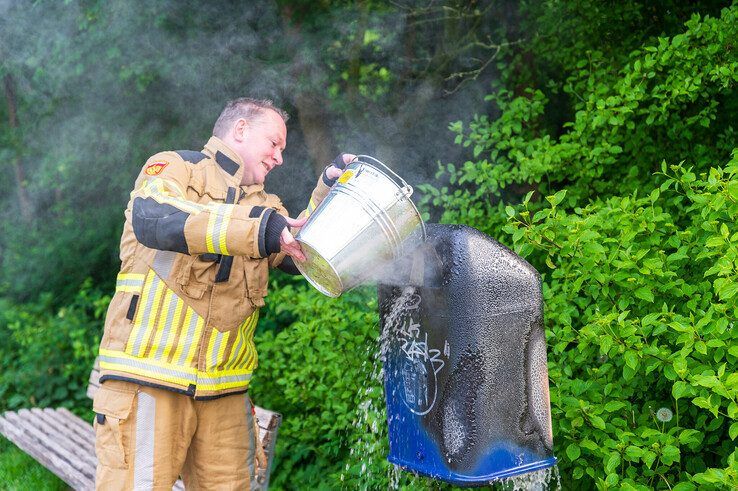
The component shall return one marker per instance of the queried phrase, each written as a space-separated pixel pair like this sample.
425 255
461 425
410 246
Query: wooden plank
94 382
58 437
81 423
91 389
30 440
76 425
67 437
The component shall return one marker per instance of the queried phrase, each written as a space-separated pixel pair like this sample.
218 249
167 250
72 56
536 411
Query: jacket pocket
195 275
256 272
113 404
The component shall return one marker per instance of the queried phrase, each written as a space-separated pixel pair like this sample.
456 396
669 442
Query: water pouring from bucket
366 221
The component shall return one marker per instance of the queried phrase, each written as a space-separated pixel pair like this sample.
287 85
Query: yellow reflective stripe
220 355
123 362
209 235
216 348
183 376
129 282
188 329
143 302
238 347
169 344
167 192
310 207
223 233
220 217
250 354
193 341
149 319
209 356
163 325
243 351
223 379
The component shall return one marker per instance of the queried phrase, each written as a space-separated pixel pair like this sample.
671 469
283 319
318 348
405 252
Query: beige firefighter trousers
147 437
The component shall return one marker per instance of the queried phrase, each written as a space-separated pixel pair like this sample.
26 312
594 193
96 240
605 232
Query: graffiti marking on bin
421 363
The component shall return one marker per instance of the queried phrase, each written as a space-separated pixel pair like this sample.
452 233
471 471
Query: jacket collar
227 159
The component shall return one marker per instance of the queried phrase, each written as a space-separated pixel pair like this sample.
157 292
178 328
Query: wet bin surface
464 353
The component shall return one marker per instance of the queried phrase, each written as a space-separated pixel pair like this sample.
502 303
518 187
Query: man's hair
246 108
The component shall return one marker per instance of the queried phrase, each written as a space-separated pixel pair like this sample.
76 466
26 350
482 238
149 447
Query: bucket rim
400 188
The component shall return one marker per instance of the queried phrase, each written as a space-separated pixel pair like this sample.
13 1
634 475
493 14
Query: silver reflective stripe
129 282
142 365
163 261
216 347
143 467
224 379
220 216
167 326
188 338
251 451
145 319
237 350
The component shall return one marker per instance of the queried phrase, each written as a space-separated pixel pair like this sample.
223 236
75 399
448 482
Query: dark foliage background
596 138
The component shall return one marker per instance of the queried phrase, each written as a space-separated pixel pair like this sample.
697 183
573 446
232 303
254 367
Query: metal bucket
366 221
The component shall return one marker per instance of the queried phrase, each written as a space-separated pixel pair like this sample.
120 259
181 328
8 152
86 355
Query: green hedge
46 355
319 366
637 243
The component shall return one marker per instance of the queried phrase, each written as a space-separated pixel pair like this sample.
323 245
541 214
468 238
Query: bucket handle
406 188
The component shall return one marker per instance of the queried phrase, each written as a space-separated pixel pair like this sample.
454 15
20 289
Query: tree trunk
24 202
313 117
313 113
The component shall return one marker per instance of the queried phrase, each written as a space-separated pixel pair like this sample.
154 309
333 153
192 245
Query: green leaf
597 422
687 437
648 458
644 293
729 290
633 452
573 452
631 359
612 463
733 431
684 486
556 198
614 406
669 454
679 389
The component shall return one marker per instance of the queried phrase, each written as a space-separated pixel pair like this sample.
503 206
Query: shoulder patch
156 168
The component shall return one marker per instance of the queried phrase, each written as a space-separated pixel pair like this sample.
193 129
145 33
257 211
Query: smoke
100 87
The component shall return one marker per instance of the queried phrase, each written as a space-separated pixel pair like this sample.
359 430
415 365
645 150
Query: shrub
47 356
638 257
319 366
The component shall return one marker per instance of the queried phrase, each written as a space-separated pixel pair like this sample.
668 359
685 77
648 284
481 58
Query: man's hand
334 171
288 243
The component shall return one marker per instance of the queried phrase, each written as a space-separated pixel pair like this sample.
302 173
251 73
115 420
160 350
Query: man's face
260 145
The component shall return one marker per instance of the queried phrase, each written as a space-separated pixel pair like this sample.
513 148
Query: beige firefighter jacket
194 274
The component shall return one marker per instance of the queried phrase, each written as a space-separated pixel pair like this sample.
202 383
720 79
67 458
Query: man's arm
163 218
326 181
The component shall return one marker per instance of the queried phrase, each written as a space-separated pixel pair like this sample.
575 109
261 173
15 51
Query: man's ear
240 130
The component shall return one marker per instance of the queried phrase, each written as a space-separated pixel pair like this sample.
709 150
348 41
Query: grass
19 472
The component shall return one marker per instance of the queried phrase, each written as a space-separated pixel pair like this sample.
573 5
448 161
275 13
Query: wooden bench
65 443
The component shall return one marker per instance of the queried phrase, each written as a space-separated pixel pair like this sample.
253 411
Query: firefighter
177 353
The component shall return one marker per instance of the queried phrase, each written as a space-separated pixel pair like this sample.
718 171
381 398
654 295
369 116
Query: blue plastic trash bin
464 354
